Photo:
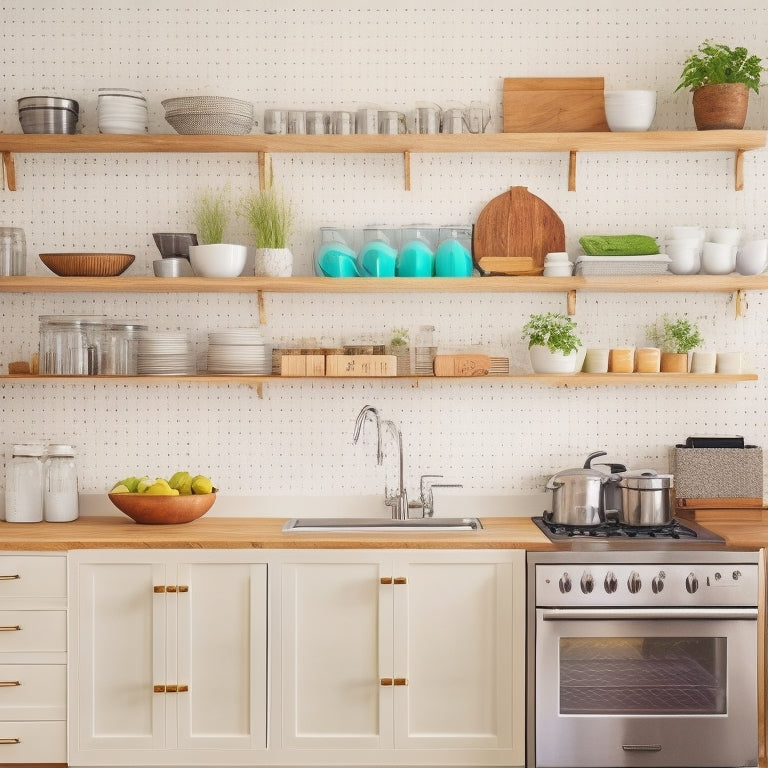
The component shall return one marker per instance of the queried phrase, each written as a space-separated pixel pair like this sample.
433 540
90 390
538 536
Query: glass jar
119 348
60 500
24 485
70 344
13 251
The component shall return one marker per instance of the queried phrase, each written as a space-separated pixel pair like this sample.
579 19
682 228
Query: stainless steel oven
645 658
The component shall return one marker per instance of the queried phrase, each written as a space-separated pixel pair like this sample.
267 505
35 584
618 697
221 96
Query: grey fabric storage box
717 473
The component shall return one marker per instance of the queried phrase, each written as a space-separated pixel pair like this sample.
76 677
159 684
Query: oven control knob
691 583
565 583
657 583
634 582
611 583
587 583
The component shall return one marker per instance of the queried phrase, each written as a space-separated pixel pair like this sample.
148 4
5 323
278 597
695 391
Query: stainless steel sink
380 525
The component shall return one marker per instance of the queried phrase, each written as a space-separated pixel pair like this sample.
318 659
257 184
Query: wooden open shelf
264 145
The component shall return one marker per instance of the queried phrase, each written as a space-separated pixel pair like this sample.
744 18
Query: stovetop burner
674 530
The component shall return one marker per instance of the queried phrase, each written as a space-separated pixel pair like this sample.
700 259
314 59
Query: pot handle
588 462
552 484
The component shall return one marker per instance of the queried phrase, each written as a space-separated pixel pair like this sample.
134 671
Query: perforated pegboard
494 437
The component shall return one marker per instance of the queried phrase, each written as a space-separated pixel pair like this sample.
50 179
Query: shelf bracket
9 171
265 170
262 307
572 171
407 170
740 303
739 170
571 302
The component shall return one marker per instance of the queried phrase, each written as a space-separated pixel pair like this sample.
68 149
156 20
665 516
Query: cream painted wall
496 438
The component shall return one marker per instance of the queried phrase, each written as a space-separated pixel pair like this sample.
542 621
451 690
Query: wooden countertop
113 532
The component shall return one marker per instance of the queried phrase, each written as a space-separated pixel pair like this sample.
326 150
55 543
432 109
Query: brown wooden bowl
87 264
151 509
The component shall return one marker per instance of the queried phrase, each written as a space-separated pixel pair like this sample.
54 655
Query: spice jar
60 502
24 485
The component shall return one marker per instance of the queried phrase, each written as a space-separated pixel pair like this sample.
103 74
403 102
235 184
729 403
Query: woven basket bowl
87 264
149 509
207 124
208 104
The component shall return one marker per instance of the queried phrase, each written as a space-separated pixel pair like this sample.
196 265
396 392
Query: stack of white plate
121 110
166 353
238 350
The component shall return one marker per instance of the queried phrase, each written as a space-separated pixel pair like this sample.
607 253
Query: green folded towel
619 245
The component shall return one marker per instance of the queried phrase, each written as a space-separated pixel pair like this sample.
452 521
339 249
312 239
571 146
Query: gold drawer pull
401 681
176 688
10 577
386 681
9 683
170 589
400 580
11 628
386 579
158 590
183 588
10 741
158 689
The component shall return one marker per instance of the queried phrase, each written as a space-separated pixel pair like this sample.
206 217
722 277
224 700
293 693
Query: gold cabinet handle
158 689
386 681
158 590
9 683
10 741
183 588
401 681
176 688
11 628
400 580
10 577
170 589
386 579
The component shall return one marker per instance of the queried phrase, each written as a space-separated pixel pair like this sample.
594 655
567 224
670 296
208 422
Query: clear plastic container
335 254
71 344
453 257
417 253
24 485
60 499
378 255
13 251
119 348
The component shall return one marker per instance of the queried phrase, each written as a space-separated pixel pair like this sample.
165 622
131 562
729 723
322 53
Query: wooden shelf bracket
407 170
739 170
265 170
9 171
571 302
572 171
740 303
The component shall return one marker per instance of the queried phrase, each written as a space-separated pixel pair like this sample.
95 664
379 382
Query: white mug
718 258
685 256
683 233
729 235
752 257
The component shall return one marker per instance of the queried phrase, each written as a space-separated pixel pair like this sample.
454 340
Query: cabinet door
459 629
336 647
118 653
222 655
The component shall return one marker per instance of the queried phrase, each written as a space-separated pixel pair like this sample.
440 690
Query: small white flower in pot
271 220
553 344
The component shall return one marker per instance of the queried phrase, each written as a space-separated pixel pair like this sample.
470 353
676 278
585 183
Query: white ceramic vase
218 259
273 262
545 361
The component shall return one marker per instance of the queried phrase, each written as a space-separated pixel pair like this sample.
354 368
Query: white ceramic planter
544 361
273 262
218 259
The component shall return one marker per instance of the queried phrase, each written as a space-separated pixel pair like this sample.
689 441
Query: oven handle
602 614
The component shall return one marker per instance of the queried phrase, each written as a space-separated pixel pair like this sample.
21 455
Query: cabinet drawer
33 576
33 691
33 742
32 631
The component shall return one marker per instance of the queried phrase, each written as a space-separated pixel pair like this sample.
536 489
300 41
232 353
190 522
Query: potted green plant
213 257
270 220
721 79
553 344
398 346
675 337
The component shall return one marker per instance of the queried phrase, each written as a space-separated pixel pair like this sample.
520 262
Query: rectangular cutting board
554 104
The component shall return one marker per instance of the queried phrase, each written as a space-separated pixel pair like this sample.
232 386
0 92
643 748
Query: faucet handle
426 484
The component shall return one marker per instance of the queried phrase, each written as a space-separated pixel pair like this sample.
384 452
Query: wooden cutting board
554 104
514 232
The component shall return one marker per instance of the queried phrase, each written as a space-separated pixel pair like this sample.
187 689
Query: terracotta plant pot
674 362
720 106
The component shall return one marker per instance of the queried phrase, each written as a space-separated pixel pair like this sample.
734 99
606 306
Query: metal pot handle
588 462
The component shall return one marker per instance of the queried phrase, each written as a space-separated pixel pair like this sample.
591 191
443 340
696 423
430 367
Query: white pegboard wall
494 437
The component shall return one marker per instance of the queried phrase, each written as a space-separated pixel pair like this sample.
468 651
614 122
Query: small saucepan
577 497
646 497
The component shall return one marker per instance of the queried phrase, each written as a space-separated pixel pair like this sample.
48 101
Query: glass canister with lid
71 344
24 485
119 348
60 498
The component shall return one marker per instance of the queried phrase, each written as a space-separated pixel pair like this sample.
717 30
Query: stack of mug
719 251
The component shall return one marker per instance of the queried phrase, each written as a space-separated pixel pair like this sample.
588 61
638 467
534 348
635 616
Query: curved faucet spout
361 417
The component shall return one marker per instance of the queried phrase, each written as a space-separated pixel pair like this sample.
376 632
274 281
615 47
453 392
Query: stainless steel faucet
361 417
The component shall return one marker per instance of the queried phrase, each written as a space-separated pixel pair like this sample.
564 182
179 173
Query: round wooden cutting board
514 232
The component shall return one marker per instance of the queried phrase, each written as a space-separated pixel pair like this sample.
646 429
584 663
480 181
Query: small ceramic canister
595 360
730 362
622 360
703 362
648 360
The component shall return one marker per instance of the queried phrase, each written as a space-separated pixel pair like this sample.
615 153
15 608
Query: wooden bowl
87 264
151 509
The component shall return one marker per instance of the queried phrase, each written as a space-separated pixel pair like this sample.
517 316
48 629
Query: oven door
651 687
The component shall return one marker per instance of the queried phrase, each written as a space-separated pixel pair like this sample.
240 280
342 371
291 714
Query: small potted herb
270 220
675 337
721 79
213 257
398 346
553 343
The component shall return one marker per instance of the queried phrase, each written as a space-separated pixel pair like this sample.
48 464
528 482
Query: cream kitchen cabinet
168 657
406 657
33 651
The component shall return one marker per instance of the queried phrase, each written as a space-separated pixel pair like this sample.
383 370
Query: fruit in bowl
180 499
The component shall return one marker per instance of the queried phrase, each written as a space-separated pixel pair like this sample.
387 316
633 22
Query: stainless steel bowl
48 114
172 266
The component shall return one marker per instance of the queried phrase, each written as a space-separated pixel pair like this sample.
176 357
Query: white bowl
218 259
630 110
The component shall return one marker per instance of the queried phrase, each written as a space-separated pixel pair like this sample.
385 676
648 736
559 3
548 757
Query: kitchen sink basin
381 525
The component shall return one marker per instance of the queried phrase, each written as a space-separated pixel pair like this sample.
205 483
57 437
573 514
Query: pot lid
645 479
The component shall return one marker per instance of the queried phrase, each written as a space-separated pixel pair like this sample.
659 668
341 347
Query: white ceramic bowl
218 260
630 110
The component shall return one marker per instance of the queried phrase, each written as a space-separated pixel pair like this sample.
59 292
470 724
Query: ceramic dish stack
121 110
166 353
209 115
238 350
